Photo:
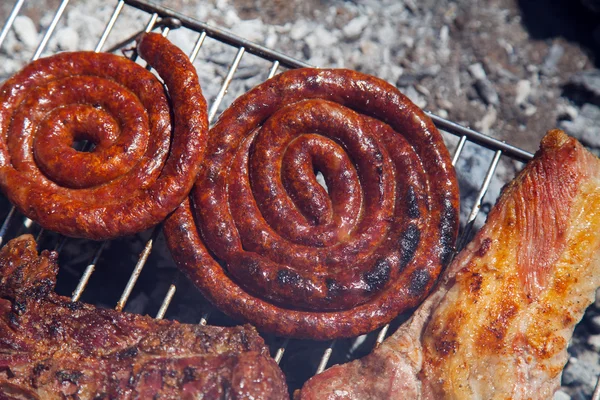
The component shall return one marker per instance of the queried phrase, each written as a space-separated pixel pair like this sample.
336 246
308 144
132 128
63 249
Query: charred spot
5 372
127 353
252 267
378 276
38 369
42 289
409 242
485 246
74 305
491 335
378 156
55 329
13 319
447 231
287 277
475 283
212 175
189 375
418 282
19 307
226 387
69 376
333 288
446 347
244 340
412 205
379 170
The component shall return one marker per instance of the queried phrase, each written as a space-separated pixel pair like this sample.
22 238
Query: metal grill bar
477 205
459 148
273 69
10 20
281 350
480 139
204 318
325 357
217 102
109 26
220 34
6 223
197 46
88 273
50 30
166 302
137 270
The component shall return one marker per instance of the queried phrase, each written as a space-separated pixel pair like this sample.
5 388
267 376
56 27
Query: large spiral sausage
266 243
143 162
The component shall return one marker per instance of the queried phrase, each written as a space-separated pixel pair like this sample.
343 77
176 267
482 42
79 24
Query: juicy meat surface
498 323
267 244
147 145
52 348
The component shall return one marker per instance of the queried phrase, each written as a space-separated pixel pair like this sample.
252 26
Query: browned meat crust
52 348
498 324
144 161
267 244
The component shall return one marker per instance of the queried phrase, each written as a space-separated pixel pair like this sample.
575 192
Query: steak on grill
52 348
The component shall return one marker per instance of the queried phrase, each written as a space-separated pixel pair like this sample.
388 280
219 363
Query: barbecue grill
138 269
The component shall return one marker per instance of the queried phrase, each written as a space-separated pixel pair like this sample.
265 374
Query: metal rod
151 23
61 243
50 30
459 148
197 46
204 318
137 270
478 200
109 26
273 69
281 350
217 102
220 34
166 302
6 223
325 357
85 278
381 335
27 223
480 138
10 20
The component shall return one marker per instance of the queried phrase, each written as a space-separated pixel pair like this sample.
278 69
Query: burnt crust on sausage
266 243
143 161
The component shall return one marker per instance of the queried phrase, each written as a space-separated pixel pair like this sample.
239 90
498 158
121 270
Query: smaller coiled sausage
266 243
143 162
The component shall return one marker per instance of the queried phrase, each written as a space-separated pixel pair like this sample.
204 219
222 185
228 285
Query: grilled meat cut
498 324
52 348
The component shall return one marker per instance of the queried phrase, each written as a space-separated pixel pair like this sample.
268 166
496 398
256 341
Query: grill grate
166 20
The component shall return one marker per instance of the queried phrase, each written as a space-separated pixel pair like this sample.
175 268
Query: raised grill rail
285 351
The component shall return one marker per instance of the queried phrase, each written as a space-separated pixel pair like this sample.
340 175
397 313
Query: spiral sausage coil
267 243
143 161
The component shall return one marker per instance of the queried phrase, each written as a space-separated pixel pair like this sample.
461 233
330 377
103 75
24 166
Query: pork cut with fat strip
498 324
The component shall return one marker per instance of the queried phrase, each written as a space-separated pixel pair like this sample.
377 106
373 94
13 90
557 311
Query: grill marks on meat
498 324
266 243
51 348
